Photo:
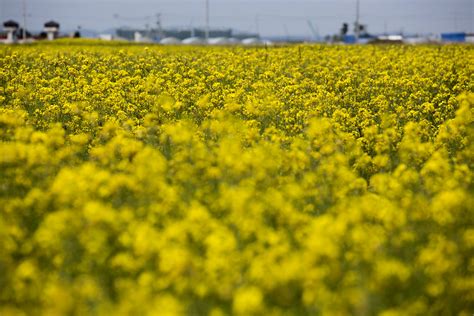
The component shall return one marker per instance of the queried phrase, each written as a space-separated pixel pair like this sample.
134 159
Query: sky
268 17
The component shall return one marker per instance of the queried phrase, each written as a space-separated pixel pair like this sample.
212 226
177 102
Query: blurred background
266 20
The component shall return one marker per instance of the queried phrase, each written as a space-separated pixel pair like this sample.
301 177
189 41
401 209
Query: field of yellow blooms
300 180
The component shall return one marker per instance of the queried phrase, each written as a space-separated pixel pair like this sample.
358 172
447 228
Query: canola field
300 180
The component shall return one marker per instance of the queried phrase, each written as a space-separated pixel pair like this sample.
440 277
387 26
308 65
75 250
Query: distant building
106 37
470 38
363 39
158 35
11 28
52 29
453 37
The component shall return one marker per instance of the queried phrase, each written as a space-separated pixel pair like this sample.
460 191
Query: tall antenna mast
24 21
207 21
357 28
159 25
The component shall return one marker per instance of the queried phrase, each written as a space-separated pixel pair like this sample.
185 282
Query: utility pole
207 21
159 26
357 27
257 25
191 28
24 21
286 32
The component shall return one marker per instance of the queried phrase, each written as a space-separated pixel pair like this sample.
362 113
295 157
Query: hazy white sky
270 17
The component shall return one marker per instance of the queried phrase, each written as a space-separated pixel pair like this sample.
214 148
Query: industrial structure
11 28
181 34
52 29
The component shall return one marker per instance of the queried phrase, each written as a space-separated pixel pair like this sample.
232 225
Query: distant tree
344 29
360 28
336 38
19 33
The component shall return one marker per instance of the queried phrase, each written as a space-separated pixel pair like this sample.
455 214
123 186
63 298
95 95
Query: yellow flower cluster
302 180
